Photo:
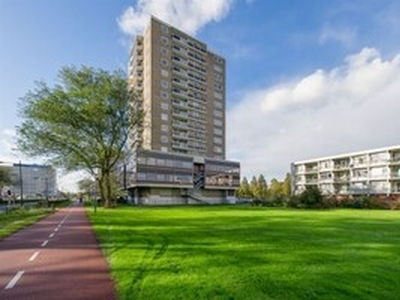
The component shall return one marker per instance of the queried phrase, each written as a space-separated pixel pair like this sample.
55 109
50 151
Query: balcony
340 167
394 176
182 125
341 179
180 83
394 161
178 103
310 170
359 178
180 115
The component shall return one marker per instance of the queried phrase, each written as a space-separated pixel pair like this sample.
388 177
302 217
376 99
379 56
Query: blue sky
304 78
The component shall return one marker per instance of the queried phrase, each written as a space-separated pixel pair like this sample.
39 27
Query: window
164 117
164 40
218 140
164 84
164 29
164 51
164 62
218 149
164 149
164 127
164 73
218 104
217 68
217 122
164 139
218 95
164 95
164 106
218 113
217 131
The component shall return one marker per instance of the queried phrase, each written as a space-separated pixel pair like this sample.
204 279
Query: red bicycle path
56 258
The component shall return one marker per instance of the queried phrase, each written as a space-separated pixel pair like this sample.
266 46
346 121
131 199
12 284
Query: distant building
38 181
374 172
179 152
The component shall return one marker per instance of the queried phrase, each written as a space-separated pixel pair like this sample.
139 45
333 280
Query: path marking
34 255
51 235
45 243
56 229
14 280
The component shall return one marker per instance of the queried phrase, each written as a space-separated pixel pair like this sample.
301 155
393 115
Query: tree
262 188
275 188
244 189
87 185
286 186
311 198
254 187
80 123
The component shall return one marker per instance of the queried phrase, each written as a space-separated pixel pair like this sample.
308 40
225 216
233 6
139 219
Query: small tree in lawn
254 187
81 123
262 188
244 189
286 186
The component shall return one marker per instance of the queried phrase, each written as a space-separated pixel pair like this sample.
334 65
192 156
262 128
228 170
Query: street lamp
21 184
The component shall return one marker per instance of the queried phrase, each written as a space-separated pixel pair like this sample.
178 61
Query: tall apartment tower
181 88
182 85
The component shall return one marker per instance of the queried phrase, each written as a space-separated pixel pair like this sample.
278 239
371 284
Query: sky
305 79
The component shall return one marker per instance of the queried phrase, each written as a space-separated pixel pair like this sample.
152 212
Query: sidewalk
57 258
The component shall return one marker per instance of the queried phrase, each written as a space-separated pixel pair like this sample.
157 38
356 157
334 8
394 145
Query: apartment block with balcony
180 85
371 172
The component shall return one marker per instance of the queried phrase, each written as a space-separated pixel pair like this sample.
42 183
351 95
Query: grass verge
251 253
17 219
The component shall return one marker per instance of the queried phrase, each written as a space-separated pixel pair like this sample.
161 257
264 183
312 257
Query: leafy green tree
262 188
81 123
87 185
254 187
311 198
275 188
286 186
244 189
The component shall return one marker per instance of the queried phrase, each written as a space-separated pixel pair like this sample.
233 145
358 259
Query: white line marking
56 229
34 255
14 281
45 243
51 235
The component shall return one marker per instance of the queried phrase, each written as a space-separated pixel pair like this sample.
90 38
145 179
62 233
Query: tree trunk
107 189
100 182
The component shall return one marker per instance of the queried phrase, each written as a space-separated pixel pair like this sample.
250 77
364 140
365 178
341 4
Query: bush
310 198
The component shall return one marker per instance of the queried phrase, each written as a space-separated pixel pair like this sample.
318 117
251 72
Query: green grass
251 253
20 218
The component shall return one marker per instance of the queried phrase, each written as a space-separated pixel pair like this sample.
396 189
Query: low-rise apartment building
371 172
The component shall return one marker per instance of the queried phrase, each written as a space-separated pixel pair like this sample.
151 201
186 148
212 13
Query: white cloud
347 36
188 15
7 146
349 108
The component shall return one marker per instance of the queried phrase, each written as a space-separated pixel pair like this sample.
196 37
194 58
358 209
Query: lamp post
21 184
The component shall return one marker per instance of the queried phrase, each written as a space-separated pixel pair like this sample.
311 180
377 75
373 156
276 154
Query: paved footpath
56 258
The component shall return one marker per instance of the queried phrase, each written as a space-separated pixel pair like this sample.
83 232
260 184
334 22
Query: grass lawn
227 252
18 219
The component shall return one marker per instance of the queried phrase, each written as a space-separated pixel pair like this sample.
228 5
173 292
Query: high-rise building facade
375 172
180 147
182 85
